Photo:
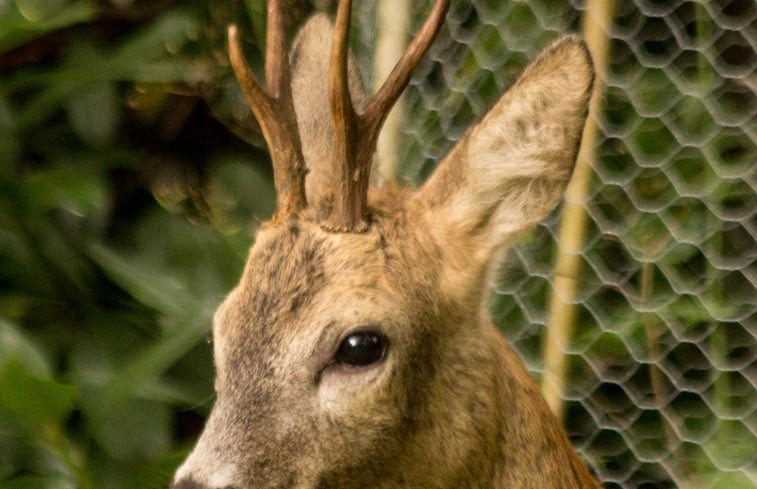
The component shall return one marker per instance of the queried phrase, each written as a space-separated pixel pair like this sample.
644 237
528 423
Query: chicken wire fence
634 305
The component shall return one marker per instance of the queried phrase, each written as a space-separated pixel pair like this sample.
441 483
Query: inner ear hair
510 170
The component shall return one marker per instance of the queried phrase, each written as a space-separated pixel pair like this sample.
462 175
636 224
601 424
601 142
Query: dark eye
361 348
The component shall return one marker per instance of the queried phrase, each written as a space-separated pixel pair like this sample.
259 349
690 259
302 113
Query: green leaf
239 190
37 482
163 36
40 10
14 345
157 473
94 113
38 401
67 186
10 147
33 18
122 3
257 13
181 270
134 429
141 372
152 286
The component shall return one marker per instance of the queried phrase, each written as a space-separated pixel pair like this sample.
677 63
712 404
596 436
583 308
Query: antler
355 133
274 110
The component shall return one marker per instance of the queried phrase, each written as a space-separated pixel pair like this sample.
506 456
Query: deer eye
361 348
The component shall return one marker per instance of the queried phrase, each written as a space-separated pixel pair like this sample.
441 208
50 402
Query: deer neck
496 433
532 449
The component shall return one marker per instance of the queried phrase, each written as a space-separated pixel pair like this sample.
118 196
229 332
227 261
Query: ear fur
509 170
309 61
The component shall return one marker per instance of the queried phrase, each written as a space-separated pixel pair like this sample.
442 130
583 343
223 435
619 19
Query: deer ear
309 61
509 170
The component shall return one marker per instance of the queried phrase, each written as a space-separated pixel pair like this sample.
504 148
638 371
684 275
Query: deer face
352 353
326 358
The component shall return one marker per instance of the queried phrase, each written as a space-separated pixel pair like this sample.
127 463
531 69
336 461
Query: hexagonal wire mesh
634 305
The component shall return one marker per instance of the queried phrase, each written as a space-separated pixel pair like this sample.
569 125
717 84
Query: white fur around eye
341 390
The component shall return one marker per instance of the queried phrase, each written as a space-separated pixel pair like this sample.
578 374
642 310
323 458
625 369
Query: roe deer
355 351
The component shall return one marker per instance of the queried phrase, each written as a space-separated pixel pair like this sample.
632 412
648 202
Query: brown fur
451 405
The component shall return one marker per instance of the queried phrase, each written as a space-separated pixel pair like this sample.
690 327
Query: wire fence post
562 306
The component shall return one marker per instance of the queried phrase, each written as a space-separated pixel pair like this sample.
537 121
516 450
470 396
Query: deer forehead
303 287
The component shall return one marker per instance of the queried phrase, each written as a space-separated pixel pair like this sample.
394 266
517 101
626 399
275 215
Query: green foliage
126 212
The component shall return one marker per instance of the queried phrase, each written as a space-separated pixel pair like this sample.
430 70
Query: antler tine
253 92
341 101
355 133
274 110
382 102
347 213
276 64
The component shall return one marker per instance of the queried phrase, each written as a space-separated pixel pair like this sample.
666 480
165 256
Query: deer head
354 352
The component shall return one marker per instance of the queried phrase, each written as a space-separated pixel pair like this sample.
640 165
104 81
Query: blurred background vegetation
132 179
126 211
